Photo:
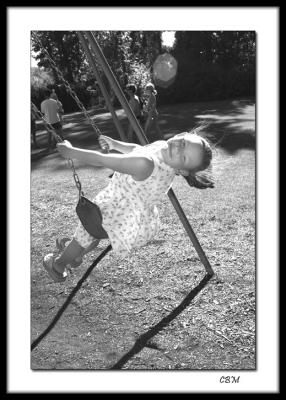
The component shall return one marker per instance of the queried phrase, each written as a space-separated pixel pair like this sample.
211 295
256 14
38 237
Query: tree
40 80
129 53
64 49
213 65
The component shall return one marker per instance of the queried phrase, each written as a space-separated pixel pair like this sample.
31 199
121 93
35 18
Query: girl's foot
62 243
49 265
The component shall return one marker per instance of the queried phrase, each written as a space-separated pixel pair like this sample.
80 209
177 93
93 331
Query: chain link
76 178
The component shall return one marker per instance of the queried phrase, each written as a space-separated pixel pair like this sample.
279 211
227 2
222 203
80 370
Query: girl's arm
117 145
140 168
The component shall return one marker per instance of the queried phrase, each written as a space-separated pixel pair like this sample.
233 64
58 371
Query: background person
151 110
52 109
54 96
134 103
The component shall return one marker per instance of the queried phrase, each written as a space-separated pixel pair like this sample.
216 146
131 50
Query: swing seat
90 216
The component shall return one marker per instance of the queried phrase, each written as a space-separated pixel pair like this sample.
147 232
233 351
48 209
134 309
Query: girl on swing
143 175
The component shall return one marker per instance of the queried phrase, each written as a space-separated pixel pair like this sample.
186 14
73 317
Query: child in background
135 106
151 110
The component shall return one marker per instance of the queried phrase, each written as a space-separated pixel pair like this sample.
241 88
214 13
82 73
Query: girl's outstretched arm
140 168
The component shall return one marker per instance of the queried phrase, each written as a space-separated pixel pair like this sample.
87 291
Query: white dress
128 207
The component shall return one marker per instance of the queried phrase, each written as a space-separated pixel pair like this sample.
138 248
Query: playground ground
121 300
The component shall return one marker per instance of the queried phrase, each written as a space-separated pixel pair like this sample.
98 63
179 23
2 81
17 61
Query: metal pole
117 89
190 232
102 87
141 136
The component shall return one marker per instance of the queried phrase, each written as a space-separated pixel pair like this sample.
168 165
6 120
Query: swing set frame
96 57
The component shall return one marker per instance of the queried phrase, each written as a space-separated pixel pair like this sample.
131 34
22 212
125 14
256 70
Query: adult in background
52 110
134 103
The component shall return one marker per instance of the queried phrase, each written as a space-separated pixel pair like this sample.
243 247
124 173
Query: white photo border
21 20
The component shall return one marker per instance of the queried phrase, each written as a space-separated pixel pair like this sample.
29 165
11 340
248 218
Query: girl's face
148 91
184 153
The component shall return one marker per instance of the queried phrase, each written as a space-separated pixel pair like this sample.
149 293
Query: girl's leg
71 253
77 261
91 247
81 244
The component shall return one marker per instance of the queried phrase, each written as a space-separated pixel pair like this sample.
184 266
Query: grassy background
122 299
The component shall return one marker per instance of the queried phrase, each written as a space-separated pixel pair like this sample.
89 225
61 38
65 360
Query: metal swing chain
46 123
78 102
67 85
59 140
76 178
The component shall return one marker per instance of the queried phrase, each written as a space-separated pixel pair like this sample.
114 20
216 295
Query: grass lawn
121 300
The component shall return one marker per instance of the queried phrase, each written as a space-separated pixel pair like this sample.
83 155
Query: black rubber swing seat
90 216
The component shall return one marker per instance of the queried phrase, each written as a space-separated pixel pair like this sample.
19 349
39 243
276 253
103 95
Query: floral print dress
129 207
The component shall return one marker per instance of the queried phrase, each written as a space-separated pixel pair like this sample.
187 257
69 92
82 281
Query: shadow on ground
144 340
231 125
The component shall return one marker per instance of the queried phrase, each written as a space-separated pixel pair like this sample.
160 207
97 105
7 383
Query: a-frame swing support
143 140
101 85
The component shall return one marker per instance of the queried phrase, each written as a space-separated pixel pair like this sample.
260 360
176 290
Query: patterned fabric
128 207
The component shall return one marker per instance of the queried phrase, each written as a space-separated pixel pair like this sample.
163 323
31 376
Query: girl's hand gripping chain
105 142
65 149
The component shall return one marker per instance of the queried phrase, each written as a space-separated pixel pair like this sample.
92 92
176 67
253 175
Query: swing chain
67 85
46 123
59 140
76 178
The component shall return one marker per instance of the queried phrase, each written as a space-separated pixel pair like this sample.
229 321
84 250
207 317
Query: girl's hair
151 87
202 178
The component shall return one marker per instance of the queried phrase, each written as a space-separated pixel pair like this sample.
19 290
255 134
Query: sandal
61 243
48 262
